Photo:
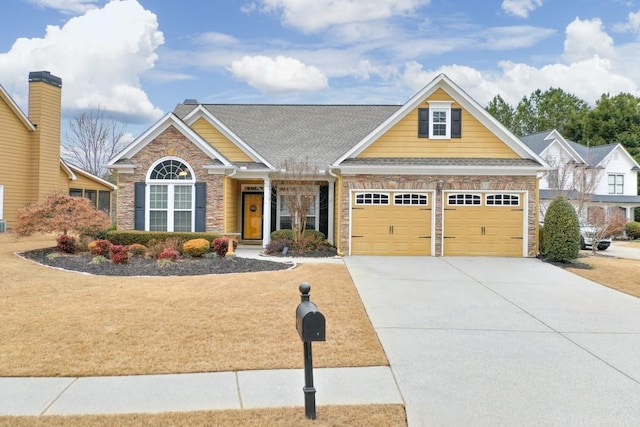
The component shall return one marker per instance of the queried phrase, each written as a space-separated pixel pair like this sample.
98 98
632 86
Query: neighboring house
30 149
603 176
435 176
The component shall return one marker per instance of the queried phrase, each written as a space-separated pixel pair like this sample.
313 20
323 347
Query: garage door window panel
464 199
372 199
503 200
410 199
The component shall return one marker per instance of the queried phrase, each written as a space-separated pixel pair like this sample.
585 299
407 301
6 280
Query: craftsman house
30 150
435 176
602 176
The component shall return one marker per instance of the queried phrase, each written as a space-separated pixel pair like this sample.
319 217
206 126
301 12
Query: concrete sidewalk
194 392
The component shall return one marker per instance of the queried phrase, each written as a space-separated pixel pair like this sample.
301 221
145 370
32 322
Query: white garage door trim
524 200
391 202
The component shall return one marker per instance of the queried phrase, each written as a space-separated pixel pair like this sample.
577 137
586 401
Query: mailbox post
311 326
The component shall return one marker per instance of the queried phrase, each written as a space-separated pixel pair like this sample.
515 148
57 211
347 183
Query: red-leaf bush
66 244
119 254
100 247
170 254
221 246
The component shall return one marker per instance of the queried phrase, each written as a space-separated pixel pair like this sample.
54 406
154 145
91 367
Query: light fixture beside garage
440 185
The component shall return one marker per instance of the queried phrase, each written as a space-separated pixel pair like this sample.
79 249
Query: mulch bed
141 266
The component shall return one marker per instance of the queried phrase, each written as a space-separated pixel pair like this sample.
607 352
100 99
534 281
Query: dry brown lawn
363 415
617 273
59 323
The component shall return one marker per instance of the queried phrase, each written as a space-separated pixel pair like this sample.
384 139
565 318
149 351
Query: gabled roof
201 112
279 132
461 97
4 95
158 127
541 141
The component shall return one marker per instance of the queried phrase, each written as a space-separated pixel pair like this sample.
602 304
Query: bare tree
603 224
297 184
93 139
575 181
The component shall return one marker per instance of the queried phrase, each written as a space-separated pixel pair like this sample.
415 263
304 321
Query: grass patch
617 273
58 323
362 415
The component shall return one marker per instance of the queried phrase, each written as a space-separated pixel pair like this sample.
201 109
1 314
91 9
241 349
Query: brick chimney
45 103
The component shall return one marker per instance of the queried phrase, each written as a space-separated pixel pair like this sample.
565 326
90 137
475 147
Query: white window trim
316 201
616 177
171 184
1 201
362 193
439 106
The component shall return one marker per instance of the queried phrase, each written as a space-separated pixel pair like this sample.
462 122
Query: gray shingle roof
322 133
593 155
537 141
600 198
449 161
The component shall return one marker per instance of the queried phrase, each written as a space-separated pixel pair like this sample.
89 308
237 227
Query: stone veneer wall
171 143
429 182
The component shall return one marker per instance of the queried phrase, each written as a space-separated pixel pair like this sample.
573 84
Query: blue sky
138 58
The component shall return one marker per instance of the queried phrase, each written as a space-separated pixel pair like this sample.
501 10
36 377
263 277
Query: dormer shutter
456 123
423 123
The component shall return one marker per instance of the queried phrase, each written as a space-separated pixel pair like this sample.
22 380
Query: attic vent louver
191 101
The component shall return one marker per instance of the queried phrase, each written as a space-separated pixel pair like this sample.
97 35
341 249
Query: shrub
165 262
62 213
136 249
632 228
282 235
119 254
100 247
147 238
561 231
221 246
99 259
169 254
276 246
196 247
66 244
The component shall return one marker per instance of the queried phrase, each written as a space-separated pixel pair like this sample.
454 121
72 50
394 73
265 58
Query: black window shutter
323 224
274 209
423 123
201 206
139 205
456 123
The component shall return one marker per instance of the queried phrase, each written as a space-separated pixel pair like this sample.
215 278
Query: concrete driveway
503 341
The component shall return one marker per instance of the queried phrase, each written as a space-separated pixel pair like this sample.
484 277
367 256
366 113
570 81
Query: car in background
588 236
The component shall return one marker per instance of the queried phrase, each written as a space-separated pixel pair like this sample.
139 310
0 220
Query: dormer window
439 121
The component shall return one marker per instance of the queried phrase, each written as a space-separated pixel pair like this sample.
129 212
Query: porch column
266 212
332 186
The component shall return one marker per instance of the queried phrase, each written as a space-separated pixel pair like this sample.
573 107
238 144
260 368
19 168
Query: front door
252 216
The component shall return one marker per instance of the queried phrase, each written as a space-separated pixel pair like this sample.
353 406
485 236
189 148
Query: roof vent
191 101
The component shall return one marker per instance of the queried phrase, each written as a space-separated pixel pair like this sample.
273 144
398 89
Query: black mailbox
310 322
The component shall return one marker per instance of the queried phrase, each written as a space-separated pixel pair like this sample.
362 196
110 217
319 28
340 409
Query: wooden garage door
391 223
488 224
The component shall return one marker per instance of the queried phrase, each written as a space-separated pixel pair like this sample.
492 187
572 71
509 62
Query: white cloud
586 39
99 56
316 15
520 8
281 74
632 25
67 6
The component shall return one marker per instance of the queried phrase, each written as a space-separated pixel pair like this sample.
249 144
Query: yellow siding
86 183
16 175
402 140
231 209
44 111
218 141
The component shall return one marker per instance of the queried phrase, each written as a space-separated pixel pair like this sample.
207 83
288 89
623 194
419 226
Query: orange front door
252 216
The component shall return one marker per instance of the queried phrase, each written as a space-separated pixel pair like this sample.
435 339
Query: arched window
171 196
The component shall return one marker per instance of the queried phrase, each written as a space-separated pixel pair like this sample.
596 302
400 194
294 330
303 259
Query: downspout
332 186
